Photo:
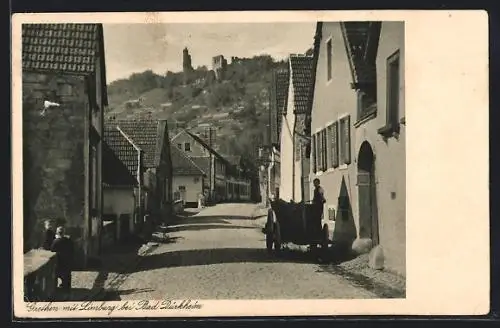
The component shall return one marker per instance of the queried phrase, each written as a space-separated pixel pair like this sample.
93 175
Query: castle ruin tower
187 68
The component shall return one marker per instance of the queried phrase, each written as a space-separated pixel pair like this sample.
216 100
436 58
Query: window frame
329 59
345 155
392 111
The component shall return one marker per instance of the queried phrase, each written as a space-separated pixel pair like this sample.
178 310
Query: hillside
236 104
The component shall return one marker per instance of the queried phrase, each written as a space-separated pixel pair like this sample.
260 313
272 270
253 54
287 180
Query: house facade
119 185
207 159
152 138
294 132
278 99
188 178
64 95
358 133
124 187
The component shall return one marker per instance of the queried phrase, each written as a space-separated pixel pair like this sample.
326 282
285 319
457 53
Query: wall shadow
220 217
200 227
197 220
187 258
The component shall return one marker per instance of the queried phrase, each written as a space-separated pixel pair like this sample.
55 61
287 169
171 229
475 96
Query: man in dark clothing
63 246
49 235
319 197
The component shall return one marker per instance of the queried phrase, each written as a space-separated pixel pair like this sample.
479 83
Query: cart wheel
277 237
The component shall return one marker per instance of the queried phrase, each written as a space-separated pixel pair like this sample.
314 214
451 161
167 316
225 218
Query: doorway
367 194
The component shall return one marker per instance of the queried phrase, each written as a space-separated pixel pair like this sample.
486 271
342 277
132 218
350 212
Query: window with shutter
325 151
314 152
345 139
335 145
320 150
329 146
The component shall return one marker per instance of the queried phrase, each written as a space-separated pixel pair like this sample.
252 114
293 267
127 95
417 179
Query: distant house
278 102
219 170
118 183
188 178
358 121
152 137
294 143
122 195
64 95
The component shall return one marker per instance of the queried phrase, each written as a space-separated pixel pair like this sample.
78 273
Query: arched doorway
367 195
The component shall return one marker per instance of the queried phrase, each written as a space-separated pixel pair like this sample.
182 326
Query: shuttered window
325 150
345 140
334 145
328 147
314 152
320 150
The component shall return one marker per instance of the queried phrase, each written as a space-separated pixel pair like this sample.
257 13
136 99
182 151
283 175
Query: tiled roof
182 165
69 48
122 148
282 83
361 39
278 103
114 171
202 162
206 146
301 72
146 135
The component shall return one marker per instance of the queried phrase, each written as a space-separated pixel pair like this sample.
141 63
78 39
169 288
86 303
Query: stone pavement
384 283
96 283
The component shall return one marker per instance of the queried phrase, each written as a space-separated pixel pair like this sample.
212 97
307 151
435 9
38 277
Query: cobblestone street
220 253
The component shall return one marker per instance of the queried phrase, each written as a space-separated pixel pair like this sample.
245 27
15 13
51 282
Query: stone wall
53 154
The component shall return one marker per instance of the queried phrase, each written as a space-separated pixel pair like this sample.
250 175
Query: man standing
319 197
63 246
49 235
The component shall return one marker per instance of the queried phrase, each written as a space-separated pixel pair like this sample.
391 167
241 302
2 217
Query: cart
297 223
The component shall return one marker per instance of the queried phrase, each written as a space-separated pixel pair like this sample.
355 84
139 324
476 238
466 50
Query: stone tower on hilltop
187 67
186 61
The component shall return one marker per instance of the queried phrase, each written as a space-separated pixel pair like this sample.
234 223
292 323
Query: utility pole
210 132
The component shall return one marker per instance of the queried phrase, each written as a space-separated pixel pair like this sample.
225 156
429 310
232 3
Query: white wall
192 188
286 150
336 98
117 202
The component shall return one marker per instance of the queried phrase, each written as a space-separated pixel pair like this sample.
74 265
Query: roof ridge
183 153
129 139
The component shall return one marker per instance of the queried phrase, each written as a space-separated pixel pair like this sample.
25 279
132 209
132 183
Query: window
324 156
345 140
329 60
367 102
333 146
182 188
314 152
187 146
393 91
179 146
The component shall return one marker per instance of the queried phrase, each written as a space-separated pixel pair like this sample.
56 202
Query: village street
219 253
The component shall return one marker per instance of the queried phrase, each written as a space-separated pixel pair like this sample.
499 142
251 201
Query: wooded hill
236 104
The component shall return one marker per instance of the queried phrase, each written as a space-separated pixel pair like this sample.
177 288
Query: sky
134 48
